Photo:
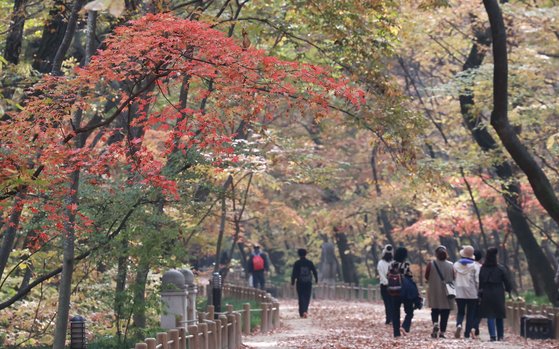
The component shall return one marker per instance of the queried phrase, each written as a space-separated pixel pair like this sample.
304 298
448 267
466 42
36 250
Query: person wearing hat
303 273
256 266
493 282
438 273
467 281
382 267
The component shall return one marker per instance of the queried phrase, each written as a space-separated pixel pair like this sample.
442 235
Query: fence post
246 318
141 346
211 312
182 339
195 340
174 336
263 318
238 330
224 336
203 328
231 341
218 325
152 343
211 334
162 339
276 317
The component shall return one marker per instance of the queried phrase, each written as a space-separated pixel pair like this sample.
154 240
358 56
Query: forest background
205 126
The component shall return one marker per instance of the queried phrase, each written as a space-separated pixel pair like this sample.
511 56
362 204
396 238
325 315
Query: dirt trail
335 324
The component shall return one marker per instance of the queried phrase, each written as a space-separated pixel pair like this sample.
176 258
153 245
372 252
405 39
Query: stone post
192 292
173 298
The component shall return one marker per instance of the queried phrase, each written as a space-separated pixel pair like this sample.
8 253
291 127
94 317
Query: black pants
466 307
408 309
304 290
444 313
387 303
258 279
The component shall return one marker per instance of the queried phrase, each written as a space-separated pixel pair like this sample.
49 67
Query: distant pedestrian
399 267
493 283
467 280
303 272
478 255
382 267
257 265
438 273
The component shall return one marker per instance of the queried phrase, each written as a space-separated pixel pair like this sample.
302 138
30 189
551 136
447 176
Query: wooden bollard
211 334
174 336
211 312
152 343
276 318
218 334
246 319
182 339
203 329
238 330
263 318
162 339
229 308
270 316
141 346
224 332
195 340
231 340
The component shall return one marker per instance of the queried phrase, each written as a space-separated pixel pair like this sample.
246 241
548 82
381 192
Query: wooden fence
220 330
517 309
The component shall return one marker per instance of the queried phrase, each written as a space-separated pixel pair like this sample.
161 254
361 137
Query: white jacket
467 279
382 268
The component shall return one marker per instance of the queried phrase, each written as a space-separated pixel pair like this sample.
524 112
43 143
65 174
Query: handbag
449 286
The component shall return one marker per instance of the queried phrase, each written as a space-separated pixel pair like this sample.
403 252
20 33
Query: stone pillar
192 292
173 298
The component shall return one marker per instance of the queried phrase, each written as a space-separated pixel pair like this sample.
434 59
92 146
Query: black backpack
305 274
394 280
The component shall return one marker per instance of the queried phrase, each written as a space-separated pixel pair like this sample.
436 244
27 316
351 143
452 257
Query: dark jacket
250 265
303 262
493 282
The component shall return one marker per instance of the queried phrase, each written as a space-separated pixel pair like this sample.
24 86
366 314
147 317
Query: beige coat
436 293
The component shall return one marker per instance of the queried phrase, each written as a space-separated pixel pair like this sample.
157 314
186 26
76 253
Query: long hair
387 257
400 254
491 257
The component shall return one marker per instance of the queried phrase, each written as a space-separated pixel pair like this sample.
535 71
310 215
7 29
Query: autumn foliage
138 77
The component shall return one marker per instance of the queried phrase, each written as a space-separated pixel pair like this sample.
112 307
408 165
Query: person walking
493 282
382 267
257 265
467 280
399 267
303 272
438 273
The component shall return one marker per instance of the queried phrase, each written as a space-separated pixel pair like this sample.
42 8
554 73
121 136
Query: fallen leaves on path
345 325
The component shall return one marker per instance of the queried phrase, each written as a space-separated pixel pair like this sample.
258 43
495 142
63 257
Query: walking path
341 324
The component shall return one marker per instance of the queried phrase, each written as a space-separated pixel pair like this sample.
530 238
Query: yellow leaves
115 7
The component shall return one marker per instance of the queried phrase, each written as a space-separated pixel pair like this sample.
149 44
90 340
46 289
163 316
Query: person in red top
256 266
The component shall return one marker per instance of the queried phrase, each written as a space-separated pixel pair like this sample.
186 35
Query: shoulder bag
449 286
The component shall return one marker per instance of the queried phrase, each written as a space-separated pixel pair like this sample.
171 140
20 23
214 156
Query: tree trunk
15 32
538 180
382 216
349 273
53 33
122 273
9 235
68 37
139 313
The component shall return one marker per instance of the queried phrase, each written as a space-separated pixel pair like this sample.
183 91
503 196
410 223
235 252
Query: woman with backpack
438 273
493 282
400 269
